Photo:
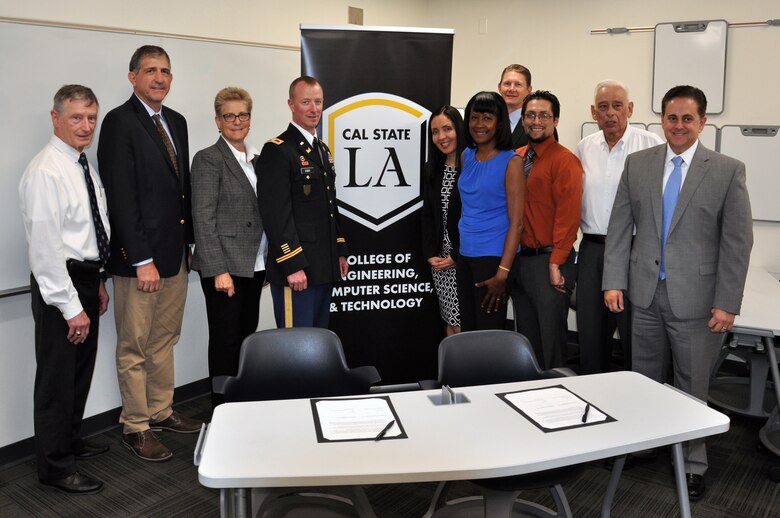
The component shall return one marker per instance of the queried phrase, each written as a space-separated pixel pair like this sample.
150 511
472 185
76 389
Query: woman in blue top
492 192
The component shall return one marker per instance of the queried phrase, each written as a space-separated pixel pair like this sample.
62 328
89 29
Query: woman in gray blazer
230 247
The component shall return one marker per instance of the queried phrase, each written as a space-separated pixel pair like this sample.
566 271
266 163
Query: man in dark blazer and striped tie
143 157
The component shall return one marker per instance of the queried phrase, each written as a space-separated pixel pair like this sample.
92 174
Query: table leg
614 478
224 502
770 352
679 476
361 503
241 503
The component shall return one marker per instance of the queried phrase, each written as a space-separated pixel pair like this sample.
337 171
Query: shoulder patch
276 141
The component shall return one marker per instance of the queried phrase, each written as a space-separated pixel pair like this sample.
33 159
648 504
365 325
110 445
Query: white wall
551 38
261 21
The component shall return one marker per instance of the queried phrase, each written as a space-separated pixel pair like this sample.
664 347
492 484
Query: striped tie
529 161
167 141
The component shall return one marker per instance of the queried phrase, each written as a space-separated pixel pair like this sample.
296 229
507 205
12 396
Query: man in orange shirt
547 271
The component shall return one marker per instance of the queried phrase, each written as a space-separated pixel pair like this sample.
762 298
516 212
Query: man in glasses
551 217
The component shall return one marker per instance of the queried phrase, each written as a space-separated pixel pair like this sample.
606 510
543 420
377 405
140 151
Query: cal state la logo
379 142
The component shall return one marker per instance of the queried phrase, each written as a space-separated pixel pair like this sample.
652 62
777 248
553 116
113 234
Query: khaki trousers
148 325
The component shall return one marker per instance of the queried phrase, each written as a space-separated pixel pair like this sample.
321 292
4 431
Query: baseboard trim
99 423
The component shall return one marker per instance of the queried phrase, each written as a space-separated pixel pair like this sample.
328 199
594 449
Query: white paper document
355 419
555 407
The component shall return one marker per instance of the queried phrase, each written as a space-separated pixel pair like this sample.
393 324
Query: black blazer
297 193
148 204
431 218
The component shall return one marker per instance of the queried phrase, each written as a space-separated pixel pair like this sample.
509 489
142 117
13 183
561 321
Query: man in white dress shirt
66 221
602 155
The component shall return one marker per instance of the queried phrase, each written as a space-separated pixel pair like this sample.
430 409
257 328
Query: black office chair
301 362
483 358
297 363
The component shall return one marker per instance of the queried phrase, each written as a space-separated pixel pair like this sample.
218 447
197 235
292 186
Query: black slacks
541 311
596 324
230 319
471 270
63 375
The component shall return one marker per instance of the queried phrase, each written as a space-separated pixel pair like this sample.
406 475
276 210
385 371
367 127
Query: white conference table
760 304
759 322
272 444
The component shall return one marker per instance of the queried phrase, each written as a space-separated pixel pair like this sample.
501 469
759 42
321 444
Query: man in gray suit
685 269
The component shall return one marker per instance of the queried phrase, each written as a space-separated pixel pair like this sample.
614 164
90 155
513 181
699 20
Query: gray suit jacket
709 242
225 214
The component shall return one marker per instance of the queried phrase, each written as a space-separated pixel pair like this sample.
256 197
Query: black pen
384 430
585 413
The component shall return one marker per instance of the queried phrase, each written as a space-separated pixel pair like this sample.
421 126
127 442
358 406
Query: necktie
100 231
529 162
167 141
671 193
318 145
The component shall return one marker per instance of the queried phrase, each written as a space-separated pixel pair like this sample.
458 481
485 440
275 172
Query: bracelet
503 267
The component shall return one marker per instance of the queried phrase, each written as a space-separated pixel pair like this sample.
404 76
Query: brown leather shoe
146 446
177 423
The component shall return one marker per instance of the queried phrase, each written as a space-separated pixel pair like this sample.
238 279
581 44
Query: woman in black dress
441 208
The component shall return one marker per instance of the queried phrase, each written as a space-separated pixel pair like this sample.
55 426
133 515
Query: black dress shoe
76 484
695 486
88 448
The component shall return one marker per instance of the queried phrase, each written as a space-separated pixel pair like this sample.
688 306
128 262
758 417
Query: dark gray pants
657 335
541 311
63 374
596 324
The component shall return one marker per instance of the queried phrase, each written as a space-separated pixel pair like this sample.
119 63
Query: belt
542 250
595 238
85 270
89 266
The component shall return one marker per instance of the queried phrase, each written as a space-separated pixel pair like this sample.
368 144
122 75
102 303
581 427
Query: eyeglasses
230 117
532 116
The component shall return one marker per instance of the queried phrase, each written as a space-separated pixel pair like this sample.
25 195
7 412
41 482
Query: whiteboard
590 127
36 60
691 53
708 136
759 148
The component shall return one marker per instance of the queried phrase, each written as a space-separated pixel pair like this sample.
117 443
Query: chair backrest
292 363
486 357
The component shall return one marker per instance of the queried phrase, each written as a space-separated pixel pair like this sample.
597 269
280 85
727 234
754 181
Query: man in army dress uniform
297 193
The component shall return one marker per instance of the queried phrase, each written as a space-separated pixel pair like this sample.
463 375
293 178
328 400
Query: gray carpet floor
738 486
